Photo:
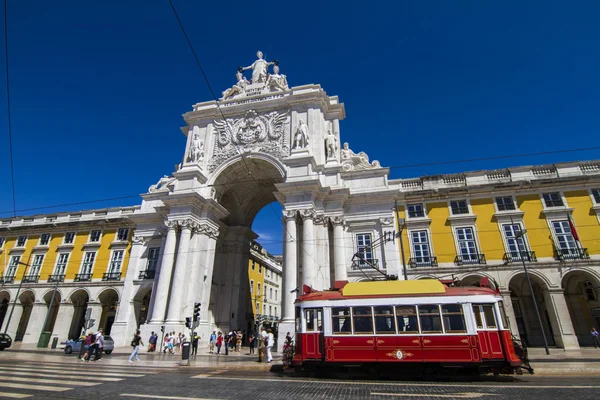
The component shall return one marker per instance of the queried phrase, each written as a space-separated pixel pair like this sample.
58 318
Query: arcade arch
52 300
79 298
582 294
109 300
4 300
27 299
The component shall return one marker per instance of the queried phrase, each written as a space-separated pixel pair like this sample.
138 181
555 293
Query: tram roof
414 288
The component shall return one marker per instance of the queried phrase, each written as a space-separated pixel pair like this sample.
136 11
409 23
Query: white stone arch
424 276
586 271
583 302
25 293
533 273
5 293
104 289
479 275
78 289
47 292
252 155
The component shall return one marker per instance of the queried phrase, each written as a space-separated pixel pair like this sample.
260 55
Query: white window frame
149 259
468 203
594 201
12 266
429 242
270 293
257 308
90 236
57 263
36 268
258 289
506 239
251 285
555 236
457 242
65 237
84 261
118 234
423 209
514 203
275 294
2 241
49 239
359 246
112 260
562 197
17 241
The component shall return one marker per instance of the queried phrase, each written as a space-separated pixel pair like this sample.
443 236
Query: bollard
54 343
185 352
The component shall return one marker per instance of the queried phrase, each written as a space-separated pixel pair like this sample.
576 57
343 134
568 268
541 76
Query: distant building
264 274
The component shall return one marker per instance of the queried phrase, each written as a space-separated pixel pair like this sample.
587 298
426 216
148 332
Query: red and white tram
404 322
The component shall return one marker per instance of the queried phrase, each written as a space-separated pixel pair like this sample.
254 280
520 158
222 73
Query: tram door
313 338
488 331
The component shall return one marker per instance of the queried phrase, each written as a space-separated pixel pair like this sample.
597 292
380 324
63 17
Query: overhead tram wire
10 144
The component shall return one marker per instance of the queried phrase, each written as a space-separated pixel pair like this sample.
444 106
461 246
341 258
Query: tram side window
406 317
363 322
454 320
490 318
431 321
340 320
309 315
505 323
384 320
298 321
478 319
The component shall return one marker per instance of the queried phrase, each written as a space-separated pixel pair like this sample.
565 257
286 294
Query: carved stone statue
331 144
196 153
355 162
275 81
259 68
161 185
238 88
301 136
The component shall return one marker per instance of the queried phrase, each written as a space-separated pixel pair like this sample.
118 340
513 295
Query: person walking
135 343
238 342
262 340
270 343
98 341
251 343
89 339
100 349
152 342
595 335
219 343
195 339
213 342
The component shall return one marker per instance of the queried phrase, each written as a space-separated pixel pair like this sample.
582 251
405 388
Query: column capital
206 229
338 220
308 213
138 240
321 219
289 214
386 221
187 224
172 225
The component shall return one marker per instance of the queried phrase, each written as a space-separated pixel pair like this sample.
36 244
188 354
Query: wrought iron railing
7 279
56 278
83 277
470 259
423 262
31 278
111 276
515 256
147 274
571 254
359 264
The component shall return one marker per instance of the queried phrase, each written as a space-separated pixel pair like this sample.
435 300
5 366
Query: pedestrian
195 339
89 339
219 343
135 343
251 343
227 343
288 338
152 342
262 339
100 349
238 343
96 345
213 342
595 335
270 343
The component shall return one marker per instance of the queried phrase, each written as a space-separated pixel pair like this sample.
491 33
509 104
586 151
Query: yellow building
487 223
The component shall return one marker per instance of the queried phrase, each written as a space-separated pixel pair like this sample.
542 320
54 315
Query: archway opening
27 299
52 300
4 300
582 292
109 299
80 299
141 305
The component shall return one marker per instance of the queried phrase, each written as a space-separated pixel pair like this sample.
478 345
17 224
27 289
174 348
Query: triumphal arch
262 141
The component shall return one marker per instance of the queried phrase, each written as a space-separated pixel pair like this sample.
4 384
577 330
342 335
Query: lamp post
520 234
18 291
401 222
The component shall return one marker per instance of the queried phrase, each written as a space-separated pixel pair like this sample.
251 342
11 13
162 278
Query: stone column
340 267
207 247
63 320
174 314
562 327
36 320
97 310
14 321
308 247
164 277
125 322
510 312
290 267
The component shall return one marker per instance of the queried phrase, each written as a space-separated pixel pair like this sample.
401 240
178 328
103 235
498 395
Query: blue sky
98 88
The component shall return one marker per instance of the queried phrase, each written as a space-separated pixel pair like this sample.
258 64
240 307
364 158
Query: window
430 319
61 264
466 244
122 234
363 246
44 239
275 294
406 319
270 293
21 240
478 320
416 210
153 253
384 320
36 265
420 244
1 242
459 207
588 290
69 238
490 318
505 323
95 236
251 286
363 322
258 289
257 308
252 265
264 309
596 195
340 318
12 266
260 269
505 203
454 320
553 199
515 245
298 326
275 311
270 311
116 261
564 236
88 262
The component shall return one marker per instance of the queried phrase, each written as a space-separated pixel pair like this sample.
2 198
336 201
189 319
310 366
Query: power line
10 144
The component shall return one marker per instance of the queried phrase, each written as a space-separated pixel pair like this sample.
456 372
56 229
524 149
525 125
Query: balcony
31 278
56 278
147 274
571 254
470 259
83 278
416 262
358 264
111 276
515 256
7 279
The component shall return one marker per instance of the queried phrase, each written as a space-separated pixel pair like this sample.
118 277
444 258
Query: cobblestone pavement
69 380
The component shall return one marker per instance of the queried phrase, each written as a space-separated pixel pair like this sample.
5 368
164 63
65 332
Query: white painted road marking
57 381
150 396
52 369
469 395
34 387
41 375
15 395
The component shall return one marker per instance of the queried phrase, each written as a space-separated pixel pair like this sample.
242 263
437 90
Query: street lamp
518 235
18 291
